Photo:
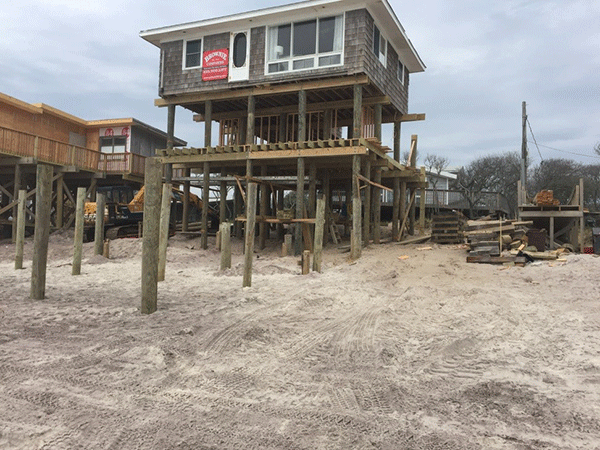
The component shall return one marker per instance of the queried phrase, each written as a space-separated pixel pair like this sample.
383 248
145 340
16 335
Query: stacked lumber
487 238
446 228
545 198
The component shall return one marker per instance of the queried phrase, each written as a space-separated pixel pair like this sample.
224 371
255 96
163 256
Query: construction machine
125 208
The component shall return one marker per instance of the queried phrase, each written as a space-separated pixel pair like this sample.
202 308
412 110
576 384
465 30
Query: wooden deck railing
22 144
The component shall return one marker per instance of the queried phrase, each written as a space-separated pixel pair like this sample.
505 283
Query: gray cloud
483 59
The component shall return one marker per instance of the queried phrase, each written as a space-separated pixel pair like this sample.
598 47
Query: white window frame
291 59
112 147
184 58
382 57
401 71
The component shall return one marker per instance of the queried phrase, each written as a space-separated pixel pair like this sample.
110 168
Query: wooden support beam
222 201
60 201
355 244
367 208
378 109
208 123
422 203
205 201
99 225
377 207
186 203
319 232
152 203
263 228
163 237
407 213
357 112
43 200
170 139
301 116
397 141
78 238
250 121
397 196
249 238
16 188
20 229
299 206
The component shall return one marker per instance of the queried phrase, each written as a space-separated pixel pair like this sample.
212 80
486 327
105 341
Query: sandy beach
406 348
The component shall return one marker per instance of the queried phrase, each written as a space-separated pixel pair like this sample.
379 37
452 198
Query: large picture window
193 53
305 45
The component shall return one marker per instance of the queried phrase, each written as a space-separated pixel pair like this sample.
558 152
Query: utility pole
524 150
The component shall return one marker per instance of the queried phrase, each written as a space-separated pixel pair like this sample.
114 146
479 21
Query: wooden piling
225 230
152 197
249 242
263 227
301 115
163 238
17 187
106 249
186 202
60 203
298 245
78 238
357 112
377 208
43 203
355 243
20 229
367 214
99 230
205 200
319 228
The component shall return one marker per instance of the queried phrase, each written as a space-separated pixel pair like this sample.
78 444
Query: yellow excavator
125 208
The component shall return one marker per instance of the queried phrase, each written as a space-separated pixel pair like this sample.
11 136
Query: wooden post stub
319 231
106 249
305 262
78 238
152 197
225 231
287 241
43 203
249 241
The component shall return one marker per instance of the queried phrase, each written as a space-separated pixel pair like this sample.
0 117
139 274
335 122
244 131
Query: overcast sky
483 59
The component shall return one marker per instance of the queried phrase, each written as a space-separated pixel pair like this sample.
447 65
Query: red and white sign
215 64
215 58
109 132
125 131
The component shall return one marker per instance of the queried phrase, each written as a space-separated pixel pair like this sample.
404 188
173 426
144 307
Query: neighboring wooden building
296 90
83 153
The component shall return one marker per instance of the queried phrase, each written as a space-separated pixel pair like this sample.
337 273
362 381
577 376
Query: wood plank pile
545 198
487 239
446 228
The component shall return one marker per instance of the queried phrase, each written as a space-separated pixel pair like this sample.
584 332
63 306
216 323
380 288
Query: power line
566 151
536 144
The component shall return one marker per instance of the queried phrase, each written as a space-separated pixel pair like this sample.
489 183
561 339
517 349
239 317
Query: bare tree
434 165
558 175
491 174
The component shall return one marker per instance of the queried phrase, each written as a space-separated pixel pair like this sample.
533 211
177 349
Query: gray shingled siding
385 78
358 58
